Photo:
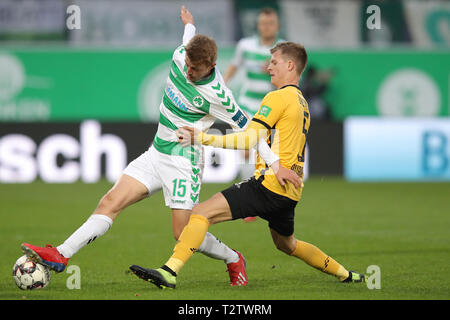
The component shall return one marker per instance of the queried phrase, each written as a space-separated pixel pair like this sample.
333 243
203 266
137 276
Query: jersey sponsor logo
198 101
298 169
175 99
240 119
264 111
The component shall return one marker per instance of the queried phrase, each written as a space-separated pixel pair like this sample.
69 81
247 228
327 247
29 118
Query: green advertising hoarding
60 85
65 84
386 83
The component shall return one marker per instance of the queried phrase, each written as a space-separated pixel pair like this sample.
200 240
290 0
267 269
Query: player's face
268 25
278 68
195 72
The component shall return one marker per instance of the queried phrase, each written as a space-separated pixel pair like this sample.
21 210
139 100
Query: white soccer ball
29 275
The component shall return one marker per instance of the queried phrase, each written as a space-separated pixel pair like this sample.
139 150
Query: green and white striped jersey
197 105
253 57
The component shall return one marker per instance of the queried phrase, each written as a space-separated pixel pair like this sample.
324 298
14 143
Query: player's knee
108 206
197 210
283 246
177 234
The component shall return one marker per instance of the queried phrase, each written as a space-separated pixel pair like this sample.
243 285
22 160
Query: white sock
216 249
95 226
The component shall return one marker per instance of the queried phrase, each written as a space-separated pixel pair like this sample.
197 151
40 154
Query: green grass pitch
404 228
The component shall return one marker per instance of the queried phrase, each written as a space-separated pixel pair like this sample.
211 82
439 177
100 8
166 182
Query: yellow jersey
285 114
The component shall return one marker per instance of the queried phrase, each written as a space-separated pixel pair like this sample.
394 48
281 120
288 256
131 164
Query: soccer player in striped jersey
286 110
195 95
252 55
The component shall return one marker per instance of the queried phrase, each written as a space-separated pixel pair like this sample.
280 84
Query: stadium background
77 105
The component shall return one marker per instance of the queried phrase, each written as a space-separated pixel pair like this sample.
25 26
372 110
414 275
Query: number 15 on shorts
179 187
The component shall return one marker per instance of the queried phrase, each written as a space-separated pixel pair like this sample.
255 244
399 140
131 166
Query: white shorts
177 176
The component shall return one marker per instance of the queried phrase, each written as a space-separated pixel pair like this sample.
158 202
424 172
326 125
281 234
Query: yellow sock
319 260
190 240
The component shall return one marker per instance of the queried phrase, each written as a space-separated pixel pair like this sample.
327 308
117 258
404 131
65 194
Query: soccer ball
29 275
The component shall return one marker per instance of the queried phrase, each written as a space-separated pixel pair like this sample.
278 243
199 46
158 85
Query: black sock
166 268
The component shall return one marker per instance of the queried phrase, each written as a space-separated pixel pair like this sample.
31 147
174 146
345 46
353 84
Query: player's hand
186 136
186 16
285 175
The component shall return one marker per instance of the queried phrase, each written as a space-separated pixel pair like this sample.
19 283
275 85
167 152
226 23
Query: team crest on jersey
265 110
198 101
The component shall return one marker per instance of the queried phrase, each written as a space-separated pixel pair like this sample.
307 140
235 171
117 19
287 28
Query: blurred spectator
314 86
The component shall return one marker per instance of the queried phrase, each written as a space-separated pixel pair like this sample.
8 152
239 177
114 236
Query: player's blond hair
202 49
293 51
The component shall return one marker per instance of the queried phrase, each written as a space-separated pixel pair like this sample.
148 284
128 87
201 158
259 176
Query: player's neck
287 82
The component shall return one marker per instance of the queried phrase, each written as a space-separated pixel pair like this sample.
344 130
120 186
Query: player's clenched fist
186 16
186 136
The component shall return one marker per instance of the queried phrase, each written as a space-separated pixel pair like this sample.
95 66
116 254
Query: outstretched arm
244 140
240 140
186 16
188 21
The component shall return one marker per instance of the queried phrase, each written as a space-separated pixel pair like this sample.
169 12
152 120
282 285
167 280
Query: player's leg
237 202
131 187
181 183
247 170
313 256
211 246
125 192
212 211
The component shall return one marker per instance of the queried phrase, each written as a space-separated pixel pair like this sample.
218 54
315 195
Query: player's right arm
271 110
188 20
186 17
229 73
257 130
235 63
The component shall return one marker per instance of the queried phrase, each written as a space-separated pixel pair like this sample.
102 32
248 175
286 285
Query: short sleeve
272 107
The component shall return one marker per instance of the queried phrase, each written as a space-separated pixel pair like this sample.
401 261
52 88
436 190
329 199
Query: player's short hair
268 11
202 49
294 51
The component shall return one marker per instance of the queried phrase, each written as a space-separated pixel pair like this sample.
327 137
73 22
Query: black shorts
250 198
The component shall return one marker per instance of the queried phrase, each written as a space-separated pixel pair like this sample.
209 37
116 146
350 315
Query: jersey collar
207 79
290 85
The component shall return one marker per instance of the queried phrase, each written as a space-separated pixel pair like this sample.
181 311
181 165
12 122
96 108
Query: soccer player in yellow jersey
284 120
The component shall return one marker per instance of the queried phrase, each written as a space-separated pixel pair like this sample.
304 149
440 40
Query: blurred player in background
262 195
252 56
195 95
